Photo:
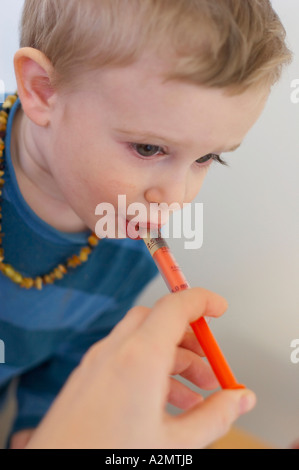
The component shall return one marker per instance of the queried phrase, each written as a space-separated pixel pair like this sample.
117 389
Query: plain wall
250 252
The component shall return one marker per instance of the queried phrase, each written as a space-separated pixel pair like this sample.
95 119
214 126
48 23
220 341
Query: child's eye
209 157
148 150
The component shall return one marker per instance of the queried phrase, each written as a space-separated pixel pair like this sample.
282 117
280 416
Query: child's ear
33 74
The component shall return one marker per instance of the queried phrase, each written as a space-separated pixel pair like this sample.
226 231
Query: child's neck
35 180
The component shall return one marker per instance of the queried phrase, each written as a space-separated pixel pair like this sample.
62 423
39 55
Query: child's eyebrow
148 136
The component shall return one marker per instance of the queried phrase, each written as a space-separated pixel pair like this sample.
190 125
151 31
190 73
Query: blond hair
232 44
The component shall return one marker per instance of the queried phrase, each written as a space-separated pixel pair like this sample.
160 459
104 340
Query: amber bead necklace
59 271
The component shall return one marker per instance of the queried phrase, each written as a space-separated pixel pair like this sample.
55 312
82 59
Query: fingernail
247 402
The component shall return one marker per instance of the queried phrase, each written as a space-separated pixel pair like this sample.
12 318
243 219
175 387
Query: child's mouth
132 229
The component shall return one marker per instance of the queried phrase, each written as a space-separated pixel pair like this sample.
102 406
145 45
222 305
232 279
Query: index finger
171 315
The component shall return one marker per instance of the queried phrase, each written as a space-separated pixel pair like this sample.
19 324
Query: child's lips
147 225
142 227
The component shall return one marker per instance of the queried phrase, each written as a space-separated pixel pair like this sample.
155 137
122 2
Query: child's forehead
143 85
138 104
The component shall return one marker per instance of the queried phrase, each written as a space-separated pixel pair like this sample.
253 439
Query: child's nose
169 193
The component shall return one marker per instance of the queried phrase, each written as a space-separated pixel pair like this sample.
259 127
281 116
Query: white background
250 253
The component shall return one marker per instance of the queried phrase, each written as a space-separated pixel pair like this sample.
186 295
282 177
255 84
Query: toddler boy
116 97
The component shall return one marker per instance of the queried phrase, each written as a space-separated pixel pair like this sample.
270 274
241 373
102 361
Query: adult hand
116 397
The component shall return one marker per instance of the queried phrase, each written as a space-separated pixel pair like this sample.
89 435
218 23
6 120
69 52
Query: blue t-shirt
46 333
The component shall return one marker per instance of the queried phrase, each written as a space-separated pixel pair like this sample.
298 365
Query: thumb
211 419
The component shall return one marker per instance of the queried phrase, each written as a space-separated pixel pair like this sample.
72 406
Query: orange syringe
176 281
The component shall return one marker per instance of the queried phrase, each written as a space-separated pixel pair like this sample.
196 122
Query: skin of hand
117 396
188 364
20 439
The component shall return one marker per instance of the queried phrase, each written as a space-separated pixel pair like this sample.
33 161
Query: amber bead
62 268
74 261
10 272
47 279
84 253
38 283
9 102
12 98
27 283
58 274
17 278
93 240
